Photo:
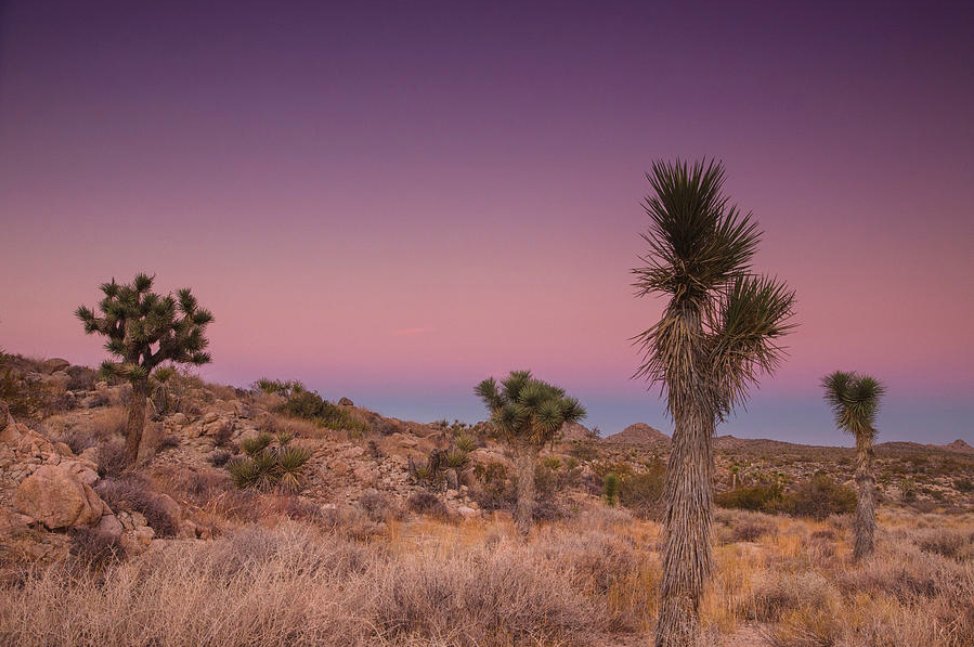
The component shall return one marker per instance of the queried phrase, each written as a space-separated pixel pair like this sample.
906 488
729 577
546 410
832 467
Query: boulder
57 497
54 365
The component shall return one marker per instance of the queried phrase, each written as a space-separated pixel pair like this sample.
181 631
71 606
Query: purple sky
395 200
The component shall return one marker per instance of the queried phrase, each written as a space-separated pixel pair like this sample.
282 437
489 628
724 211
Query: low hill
638 434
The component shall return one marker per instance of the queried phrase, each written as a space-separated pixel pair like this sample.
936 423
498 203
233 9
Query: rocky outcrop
58 497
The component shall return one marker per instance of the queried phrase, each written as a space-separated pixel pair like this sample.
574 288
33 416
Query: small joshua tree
854 400
528 413
145 329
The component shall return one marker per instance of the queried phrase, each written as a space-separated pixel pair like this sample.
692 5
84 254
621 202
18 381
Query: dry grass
336 578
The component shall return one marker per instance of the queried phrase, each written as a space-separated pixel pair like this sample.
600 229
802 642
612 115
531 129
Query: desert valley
397 532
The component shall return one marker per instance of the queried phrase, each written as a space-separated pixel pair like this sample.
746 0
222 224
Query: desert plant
610 488
854 400
144 330
528 413
466 442
265 467
817 498
718 332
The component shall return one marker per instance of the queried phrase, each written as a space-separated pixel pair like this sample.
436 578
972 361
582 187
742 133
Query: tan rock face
56 496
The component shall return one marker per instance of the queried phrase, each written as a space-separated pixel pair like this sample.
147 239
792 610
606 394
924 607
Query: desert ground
391 532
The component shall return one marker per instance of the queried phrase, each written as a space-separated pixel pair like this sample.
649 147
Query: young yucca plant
466 442
611 488
456 459
243 472
256 444
268 473
291 460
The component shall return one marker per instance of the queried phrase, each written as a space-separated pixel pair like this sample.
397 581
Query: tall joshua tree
528 413
717 334
145 329
854 400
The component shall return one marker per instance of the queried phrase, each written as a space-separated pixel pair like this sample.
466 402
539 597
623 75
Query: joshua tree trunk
526 457
136 421
865 526
687 560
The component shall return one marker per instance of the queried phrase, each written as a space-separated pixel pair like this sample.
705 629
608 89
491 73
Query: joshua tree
144 330
854 400
528 413
717 334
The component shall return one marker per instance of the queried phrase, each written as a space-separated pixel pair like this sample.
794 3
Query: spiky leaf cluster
265 467
722 325
854 400
145 329
527 409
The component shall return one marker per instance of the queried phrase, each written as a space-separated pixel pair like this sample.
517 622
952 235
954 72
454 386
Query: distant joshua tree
854 400
718 332
144 330
528 413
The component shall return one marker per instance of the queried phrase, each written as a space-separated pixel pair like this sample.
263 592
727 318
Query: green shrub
610 488
642 492
466 442
757 498
819 497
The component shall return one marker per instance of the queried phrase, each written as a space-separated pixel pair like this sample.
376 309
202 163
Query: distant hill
638 434
573 431
959 446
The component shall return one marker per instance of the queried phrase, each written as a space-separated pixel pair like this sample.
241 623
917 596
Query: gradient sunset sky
392 201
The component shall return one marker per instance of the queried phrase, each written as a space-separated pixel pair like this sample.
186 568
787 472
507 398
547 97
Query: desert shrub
112 459
819 497
954 544
94 548
584 450
494 490
429 504
964 485
302 403
642 492
756 498
218 458
81 378
133 493
610 485
780 593
169 441
380 508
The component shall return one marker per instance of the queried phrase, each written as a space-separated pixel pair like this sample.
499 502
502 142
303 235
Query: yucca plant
291 460
466 442
144 330
718 332
528 413
855 401
243 471
254 445
610 488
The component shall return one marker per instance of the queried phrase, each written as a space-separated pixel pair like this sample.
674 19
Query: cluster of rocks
45 490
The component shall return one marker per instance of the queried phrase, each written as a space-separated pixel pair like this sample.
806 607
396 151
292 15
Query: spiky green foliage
527 409
466 442
254 445
145 329
854 400
456 458
720 330
265 467
722 326
610 487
